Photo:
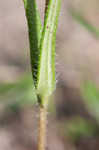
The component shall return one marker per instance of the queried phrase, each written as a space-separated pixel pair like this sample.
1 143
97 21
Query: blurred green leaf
79 127
18 94
81 20
91 98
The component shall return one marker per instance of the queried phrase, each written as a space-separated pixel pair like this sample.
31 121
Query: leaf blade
34 32
46 73
20 93
81 20
91 98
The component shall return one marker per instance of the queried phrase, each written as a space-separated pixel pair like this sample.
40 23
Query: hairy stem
42 128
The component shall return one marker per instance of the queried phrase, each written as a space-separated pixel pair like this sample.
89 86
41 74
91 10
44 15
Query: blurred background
73 117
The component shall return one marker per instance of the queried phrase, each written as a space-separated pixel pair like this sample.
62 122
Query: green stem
46 5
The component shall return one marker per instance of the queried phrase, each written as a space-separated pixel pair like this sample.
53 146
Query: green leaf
79 127
81 20
46 70
42 45
91 98
34 30
18 94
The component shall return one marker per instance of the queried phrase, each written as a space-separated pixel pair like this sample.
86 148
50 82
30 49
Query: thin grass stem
42 128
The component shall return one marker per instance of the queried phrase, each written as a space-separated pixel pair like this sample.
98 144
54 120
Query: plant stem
42 128
46 5
42 116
